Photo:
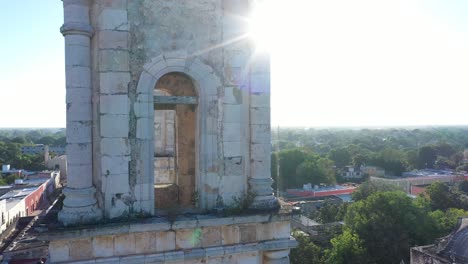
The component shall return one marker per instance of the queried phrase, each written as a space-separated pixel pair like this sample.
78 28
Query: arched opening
175 126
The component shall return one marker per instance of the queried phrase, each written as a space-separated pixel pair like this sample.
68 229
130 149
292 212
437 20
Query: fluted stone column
260 135
79 205
276 257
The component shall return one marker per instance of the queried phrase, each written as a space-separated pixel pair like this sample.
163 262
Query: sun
262 25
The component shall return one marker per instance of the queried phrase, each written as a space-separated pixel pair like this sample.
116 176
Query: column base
79 207
264 198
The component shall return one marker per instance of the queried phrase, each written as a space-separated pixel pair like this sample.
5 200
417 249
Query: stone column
260 135
276 257
79 205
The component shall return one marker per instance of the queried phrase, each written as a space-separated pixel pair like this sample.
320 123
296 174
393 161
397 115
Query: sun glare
262 26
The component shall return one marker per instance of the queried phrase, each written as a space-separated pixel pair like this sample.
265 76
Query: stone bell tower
168 114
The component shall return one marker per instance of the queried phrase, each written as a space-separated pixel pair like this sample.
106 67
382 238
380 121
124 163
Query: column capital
75 28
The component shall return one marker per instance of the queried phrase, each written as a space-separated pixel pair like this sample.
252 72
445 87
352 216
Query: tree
370 187
389 224
347 248
340 156
306 251
441 197
463 186
446 221
426 157
316 171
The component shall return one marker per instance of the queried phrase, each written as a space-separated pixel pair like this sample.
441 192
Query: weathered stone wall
136 43
195 240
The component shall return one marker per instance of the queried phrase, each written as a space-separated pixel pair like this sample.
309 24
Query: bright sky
335 63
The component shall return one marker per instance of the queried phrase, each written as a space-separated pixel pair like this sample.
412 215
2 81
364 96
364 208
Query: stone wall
199 239
134 45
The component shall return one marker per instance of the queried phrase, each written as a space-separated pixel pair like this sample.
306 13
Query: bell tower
168 122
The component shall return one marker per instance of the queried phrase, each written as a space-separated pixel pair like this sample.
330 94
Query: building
407 183
41 149
323 191
145 78
350 172
450 249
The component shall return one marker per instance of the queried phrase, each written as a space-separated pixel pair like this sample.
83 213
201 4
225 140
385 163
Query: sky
334 62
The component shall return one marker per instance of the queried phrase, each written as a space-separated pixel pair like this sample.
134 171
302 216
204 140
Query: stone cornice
73 28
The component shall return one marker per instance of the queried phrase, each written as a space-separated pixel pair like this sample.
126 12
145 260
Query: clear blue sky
335 63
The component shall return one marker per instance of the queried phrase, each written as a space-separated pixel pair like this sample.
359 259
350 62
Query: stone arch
206 84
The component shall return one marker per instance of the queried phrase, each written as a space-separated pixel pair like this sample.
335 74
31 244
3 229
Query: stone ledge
157 224
200 253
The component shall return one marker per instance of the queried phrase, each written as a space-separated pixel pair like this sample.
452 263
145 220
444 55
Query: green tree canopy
389 224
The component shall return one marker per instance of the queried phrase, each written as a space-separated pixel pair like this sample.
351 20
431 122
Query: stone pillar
260 135
276 257
79 205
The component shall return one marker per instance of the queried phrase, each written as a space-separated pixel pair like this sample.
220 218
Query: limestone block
234 166
114 82
114 104
248 233
113 19
232 95
143 131
113 39
79 40
144 191
78 153
233 132
77 55
124 244
232 186
114 146
282 229
76 13
166 241
211 85
260 151
265 231
232 148
260 115
80 249
78 76
146 83
237 76
211 236
114 60
79 131
230 234
260 83
260 133
260 168
103 246
59 251
116 183
236 57
78 95
114 126
142 109
114 165
249 258
115 4
77 172
188 238
145 242
232 113
79 111
260 64
260 100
